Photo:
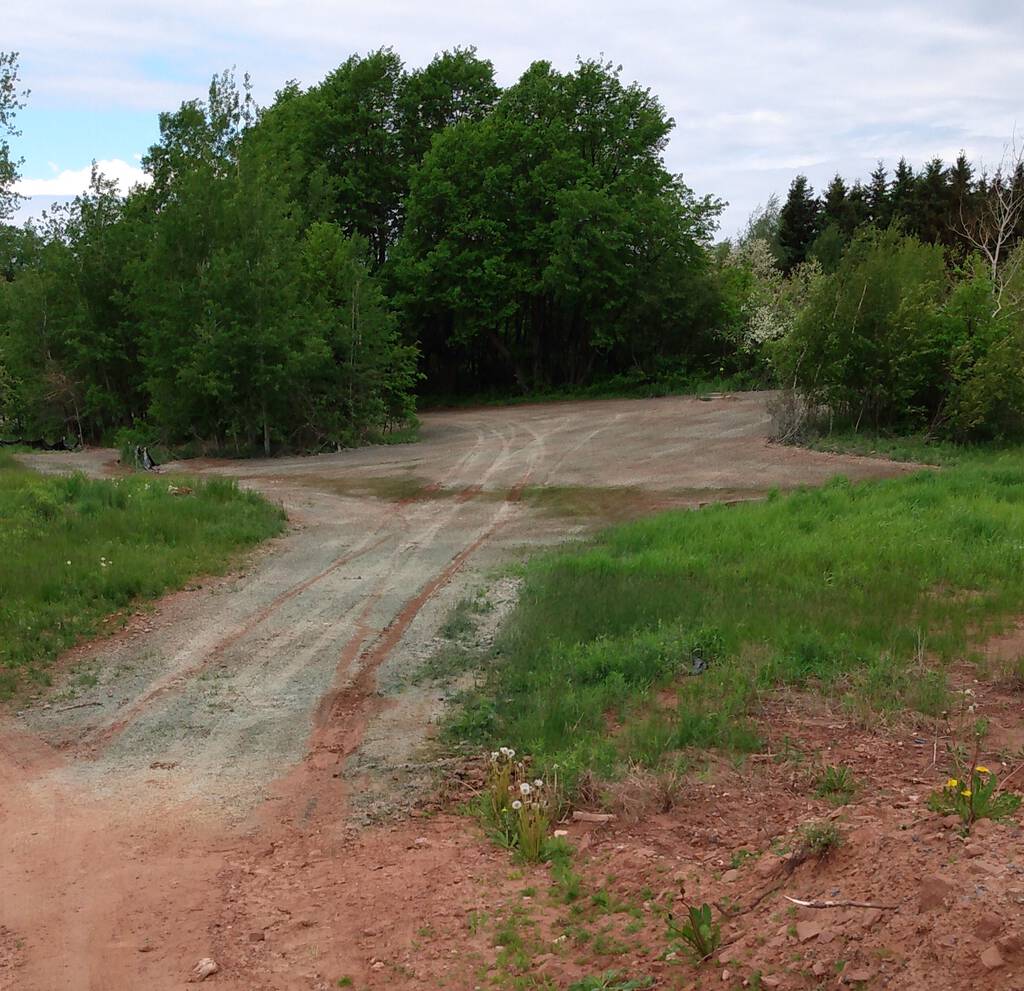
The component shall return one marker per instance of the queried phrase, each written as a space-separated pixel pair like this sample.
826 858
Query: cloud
71 182
759 90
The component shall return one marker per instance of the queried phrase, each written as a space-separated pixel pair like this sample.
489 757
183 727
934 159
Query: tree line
291 274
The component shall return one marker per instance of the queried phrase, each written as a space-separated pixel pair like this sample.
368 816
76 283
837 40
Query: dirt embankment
212 754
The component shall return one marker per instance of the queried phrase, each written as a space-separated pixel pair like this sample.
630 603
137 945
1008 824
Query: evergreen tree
879 208
901 193
798 223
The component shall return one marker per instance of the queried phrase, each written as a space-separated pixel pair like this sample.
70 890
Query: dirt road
276 710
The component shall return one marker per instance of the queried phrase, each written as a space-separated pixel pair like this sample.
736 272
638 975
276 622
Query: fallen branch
830 904
77 705
579 816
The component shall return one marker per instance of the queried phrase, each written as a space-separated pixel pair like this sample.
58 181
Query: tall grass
843 589
74 551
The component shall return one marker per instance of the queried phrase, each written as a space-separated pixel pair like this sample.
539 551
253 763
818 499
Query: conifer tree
798 222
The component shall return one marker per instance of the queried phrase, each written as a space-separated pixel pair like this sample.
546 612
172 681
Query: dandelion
952 783
517 805
982 770
540 784
525 789
68 563
966 793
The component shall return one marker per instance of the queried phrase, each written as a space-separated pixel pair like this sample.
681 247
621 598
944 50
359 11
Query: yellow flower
952 783
966 793
982 770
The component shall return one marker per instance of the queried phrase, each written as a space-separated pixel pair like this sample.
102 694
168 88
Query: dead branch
831 904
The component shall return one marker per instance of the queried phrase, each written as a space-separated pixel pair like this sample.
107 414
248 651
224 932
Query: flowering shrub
518 809
973 797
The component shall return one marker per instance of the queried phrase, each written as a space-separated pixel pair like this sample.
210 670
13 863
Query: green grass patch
842 589
74 551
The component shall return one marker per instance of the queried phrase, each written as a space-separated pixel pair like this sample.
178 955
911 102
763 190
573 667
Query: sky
759 89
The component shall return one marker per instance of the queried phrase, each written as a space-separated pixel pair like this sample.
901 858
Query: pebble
991 958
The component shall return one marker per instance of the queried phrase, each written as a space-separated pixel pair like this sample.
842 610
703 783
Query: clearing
200 784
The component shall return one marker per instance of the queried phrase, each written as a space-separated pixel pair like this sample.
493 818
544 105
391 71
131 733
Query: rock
933 893
991 958
580 816
871 917
988 926
768 866
820 968
205 968
858 975
726 975
807 930
950 822
730 876
770 982
1010 943
257 936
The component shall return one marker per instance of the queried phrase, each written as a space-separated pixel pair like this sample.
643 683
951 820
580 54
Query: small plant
698 930
518 810
611 981
819 839
836 785
740 857
974 796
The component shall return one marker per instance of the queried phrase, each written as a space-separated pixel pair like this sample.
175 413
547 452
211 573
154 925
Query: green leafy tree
869 344
546 240
11 101
798 223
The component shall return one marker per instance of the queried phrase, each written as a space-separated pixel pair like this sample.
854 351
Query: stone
257 936
770 982
991 958
207 967
859 975
988 926
933 893
768 866
730 876
871 917
807 930
1010 943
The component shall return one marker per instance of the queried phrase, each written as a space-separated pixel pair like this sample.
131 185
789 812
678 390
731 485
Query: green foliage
832 590
699 932
869 344
836 784
74 551
612 980
819 840
975 797
11 101
546 241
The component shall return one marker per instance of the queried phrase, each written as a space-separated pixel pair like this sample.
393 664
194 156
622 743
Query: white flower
538 783
525 789
517 805
69 564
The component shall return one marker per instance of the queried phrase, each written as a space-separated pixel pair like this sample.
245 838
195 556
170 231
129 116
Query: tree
993 227
879 208
454 86
798 223
547 240
869 345
11 101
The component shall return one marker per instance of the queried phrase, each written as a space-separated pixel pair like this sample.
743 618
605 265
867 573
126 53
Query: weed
612 980
519 810
819 839
740 857
699 932
973 797
836 785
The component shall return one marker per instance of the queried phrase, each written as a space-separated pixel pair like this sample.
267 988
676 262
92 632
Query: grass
862 592
75 551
